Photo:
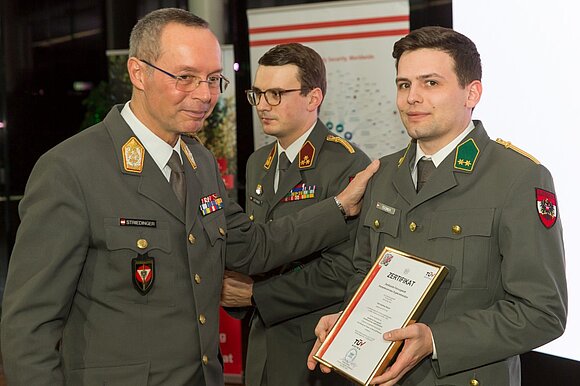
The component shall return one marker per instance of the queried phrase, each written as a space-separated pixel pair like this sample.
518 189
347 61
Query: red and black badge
143 272
547 206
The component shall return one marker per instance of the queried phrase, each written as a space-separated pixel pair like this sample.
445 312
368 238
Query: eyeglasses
187 83
273 95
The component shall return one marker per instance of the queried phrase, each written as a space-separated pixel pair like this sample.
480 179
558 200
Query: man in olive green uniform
487 210
290 300
126 229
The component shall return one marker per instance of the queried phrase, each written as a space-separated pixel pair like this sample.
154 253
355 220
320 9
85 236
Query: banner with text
355 39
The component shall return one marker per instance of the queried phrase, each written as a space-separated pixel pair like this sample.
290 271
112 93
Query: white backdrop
530 51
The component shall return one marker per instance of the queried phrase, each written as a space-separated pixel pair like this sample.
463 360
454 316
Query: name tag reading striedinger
393 295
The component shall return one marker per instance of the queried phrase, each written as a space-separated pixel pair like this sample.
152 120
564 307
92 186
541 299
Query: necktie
177 178
283 165
424 169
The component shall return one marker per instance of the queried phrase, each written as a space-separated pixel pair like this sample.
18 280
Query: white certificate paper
393 294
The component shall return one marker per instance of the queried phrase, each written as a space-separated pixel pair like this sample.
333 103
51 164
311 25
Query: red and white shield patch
143 270
547 206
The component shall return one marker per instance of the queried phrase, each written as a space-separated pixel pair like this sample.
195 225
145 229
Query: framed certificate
393 295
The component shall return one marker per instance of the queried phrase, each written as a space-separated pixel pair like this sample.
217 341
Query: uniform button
142 243
251 217
191 239
377 224
202 319
204 359
197 278
456 229
222 232
474 382
412 226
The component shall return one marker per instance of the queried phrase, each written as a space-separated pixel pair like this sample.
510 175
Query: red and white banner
355 39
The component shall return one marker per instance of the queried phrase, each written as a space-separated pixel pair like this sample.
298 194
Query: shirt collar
293 150
159 150
439 156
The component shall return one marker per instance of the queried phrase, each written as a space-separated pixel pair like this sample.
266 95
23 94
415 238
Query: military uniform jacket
506 290
292 300
71 314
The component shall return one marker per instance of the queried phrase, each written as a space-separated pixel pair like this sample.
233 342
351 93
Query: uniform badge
306 155
133 155
210 204
259 190
466 155
270 158
143 270
547 207
300 192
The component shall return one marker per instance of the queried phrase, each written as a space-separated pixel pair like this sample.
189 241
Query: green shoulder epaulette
509 145
342 141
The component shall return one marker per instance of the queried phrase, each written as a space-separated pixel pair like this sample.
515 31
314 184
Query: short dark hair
145 40
461 49
311 69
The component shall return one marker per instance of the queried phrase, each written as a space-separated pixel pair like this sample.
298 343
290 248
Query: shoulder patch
509 145
342 141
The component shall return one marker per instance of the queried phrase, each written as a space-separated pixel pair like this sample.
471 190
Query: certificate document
393 295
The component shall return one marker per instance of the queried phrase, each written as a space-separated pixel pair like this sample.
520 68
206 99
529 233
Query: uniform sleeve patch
547 207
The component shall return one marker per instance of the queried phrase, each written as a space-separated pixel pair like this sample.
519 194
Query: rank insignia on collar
300 192
188 155
210 204
133 155
270 158
143 272
306 155
547 207
466 155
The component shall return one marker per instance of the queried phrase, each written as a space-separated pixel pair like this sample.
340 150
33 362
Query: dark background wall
48 46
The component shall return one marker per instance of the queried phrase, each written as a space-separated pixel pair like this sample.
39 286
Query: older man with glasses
127 228
305 165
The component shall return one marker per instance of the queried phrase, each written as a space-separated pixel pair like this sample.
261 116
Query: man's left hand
237 290
417 345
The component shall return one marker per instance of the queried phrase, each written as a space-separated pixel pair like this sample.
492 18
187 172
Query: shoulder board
342 141
509 145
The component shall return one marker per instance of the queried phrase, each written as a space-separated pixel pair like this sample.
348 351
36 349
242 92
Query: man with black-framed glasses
116 274
306 164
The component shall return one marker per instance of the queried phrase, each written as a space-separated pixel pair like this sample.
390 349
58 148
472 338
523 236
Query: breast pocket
383 221
126 243
215 229
465 236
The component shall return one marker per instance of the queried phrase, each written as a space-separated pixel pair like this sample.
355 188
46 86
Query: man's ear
315 100
136 72
475 89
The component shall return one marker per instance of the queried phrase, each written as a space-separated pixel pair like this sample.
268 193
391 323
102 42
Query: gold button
204 359
377 224
474 382
222 232
197 278
251 217
202 319
142 243
412 226
191 239
456 229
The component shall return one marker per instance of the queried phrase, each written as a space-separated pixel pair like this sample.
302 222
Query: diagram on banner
363 112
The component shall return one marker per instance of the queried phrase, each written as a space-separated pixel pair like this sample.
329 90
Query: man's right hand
322 329
351 196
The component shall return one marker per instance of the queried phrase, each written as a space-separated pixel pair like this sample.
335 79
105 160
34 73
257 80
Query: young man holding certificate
485 209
